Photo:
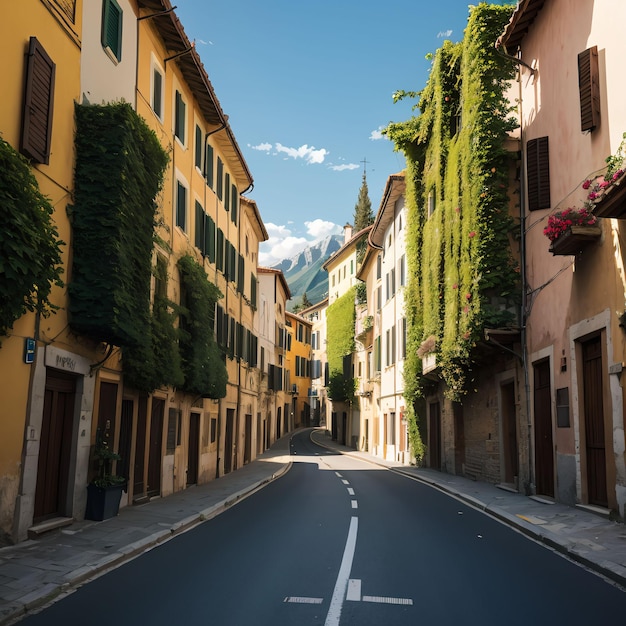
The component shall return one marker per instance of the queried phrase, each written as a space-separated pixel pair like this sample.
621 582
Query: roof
315 307
521 20
394 189
279 274
169 27
259 226
298 317
346 247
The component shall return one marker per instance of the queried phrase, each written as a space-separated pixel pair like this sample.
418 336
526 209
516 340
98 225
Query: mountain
303 272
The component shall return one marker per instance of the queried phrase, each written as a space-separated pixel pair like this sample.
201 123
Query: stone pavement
582 535
36 571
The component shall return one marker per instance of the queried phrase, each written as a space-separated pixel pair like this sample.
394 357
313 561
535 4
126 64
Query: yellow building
299 367
47 401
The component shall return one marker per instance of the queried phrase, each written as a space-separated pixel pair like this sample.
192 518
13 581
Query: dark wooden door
595 444
544 448
509 433
228 441
247 449
193 450
55 447
434 435
139 486
156 447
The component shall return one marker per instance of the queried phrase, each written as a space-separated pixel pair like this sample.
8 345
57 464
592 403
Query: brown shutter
589 88
38 104
538 173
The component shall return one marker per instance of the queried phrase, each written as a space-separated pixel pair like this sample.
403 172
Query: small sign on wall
29 350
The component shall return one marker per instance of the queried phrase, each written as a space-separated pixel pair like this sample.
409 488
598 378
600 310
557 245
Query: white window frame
177 88
179 178
155 65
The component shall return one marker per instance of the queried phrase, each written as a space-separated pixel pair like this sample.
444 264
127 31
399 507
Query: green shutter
220 250
200 228
240 274
179 122
198 147
111 35
227 194
220 178
209 239
208 166
181 202
234 204
253 290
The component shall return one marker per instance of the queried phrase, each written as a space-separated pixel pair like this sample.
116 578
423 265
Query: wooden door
156 447
544 449
459 438
595 445
193 449
247 450
139 486
126 438
509 433
434 435
228 441
55 447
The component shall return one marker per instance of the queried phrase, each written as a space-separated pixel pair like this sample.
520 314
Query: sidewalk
585 537
35 571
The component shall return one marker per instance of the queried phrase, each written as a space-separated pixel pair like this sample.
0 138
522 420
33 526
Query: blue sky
307 87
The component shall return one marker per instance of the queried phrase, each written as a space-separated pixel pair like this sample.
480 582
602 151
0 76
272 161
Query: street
341 541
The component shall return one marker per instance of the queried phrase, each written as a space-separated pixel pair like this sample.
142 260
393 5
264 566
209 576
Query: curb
41 597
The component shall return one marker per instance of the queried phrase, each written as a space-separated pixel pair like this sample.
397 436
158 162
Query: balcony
363 325
575 239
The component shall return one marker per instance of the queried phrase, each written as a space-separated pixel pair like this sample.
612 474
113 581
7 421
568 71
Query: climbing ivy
30 249
459 230
203 366
340 318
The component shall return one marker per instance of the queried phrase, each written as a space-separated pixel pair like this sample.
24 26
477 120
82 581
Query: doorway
595 444
193 449
434 435
156 447
55 447
544 448
509 434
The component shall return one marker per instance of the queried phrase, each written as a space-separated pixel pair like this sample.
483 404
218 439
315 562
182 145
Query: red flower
587 184
472 234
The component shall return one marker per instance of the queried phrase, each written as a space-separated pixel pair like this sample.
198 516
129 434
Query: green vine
340 319
459 232
120 166
203 366
30 250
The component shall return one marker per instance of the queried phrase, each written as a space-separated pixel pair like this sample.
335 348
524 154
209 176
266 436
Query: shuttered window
240 274
198 147
234 204
253 291
181 206
208 166
112 28
157 92
538 173
220 178
38 104
589 88
219 261
199 239
179 117
227 192
209 239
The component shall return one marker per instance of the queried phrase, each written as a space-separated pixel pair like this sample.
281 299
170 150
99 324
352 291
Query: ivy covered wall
459 230
340 319
30 248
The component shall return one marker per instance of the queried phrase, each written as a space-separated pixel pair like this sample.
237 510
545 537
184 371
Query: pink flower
604 184
468 296
455 286
617 175
587 184
472 234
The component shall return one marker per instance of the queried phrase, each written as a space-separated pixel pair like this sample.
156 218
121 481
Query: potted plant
570 229
104 492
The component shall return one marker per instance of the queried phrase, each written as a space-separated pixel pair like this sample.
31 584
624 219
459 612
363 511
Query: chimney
347 233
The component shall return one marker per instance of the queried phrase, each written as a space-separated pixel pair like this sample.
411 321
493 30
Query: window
198 148
234 203
402 269
181 205
220 178
379 298
38 101
156 90
219 261
253 291
589 89
111 35
180 113
209 174
377 354
227 192
240 273
351 267
538 173
209 238
199 228
379 267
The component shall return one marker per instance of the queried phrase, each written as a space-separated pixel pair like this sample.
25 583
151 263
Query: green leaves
30 248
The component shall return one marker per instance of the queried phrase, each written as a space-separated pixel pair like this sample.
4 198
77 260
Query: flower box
613 202
574 239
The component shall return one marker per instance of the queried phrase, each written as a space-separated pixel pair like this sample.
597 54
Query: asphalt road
340 541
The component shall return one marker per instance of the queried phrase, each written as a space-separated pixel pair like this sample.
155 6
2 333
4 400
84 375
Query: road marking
303 600
345 482
354 590
336 602
338 474
383 600
355 504
351 491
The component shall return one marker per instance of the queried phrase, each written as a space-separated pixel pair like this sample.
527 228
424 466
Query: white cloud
263 147
309 154
376 134
344 166
318 229
444 33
